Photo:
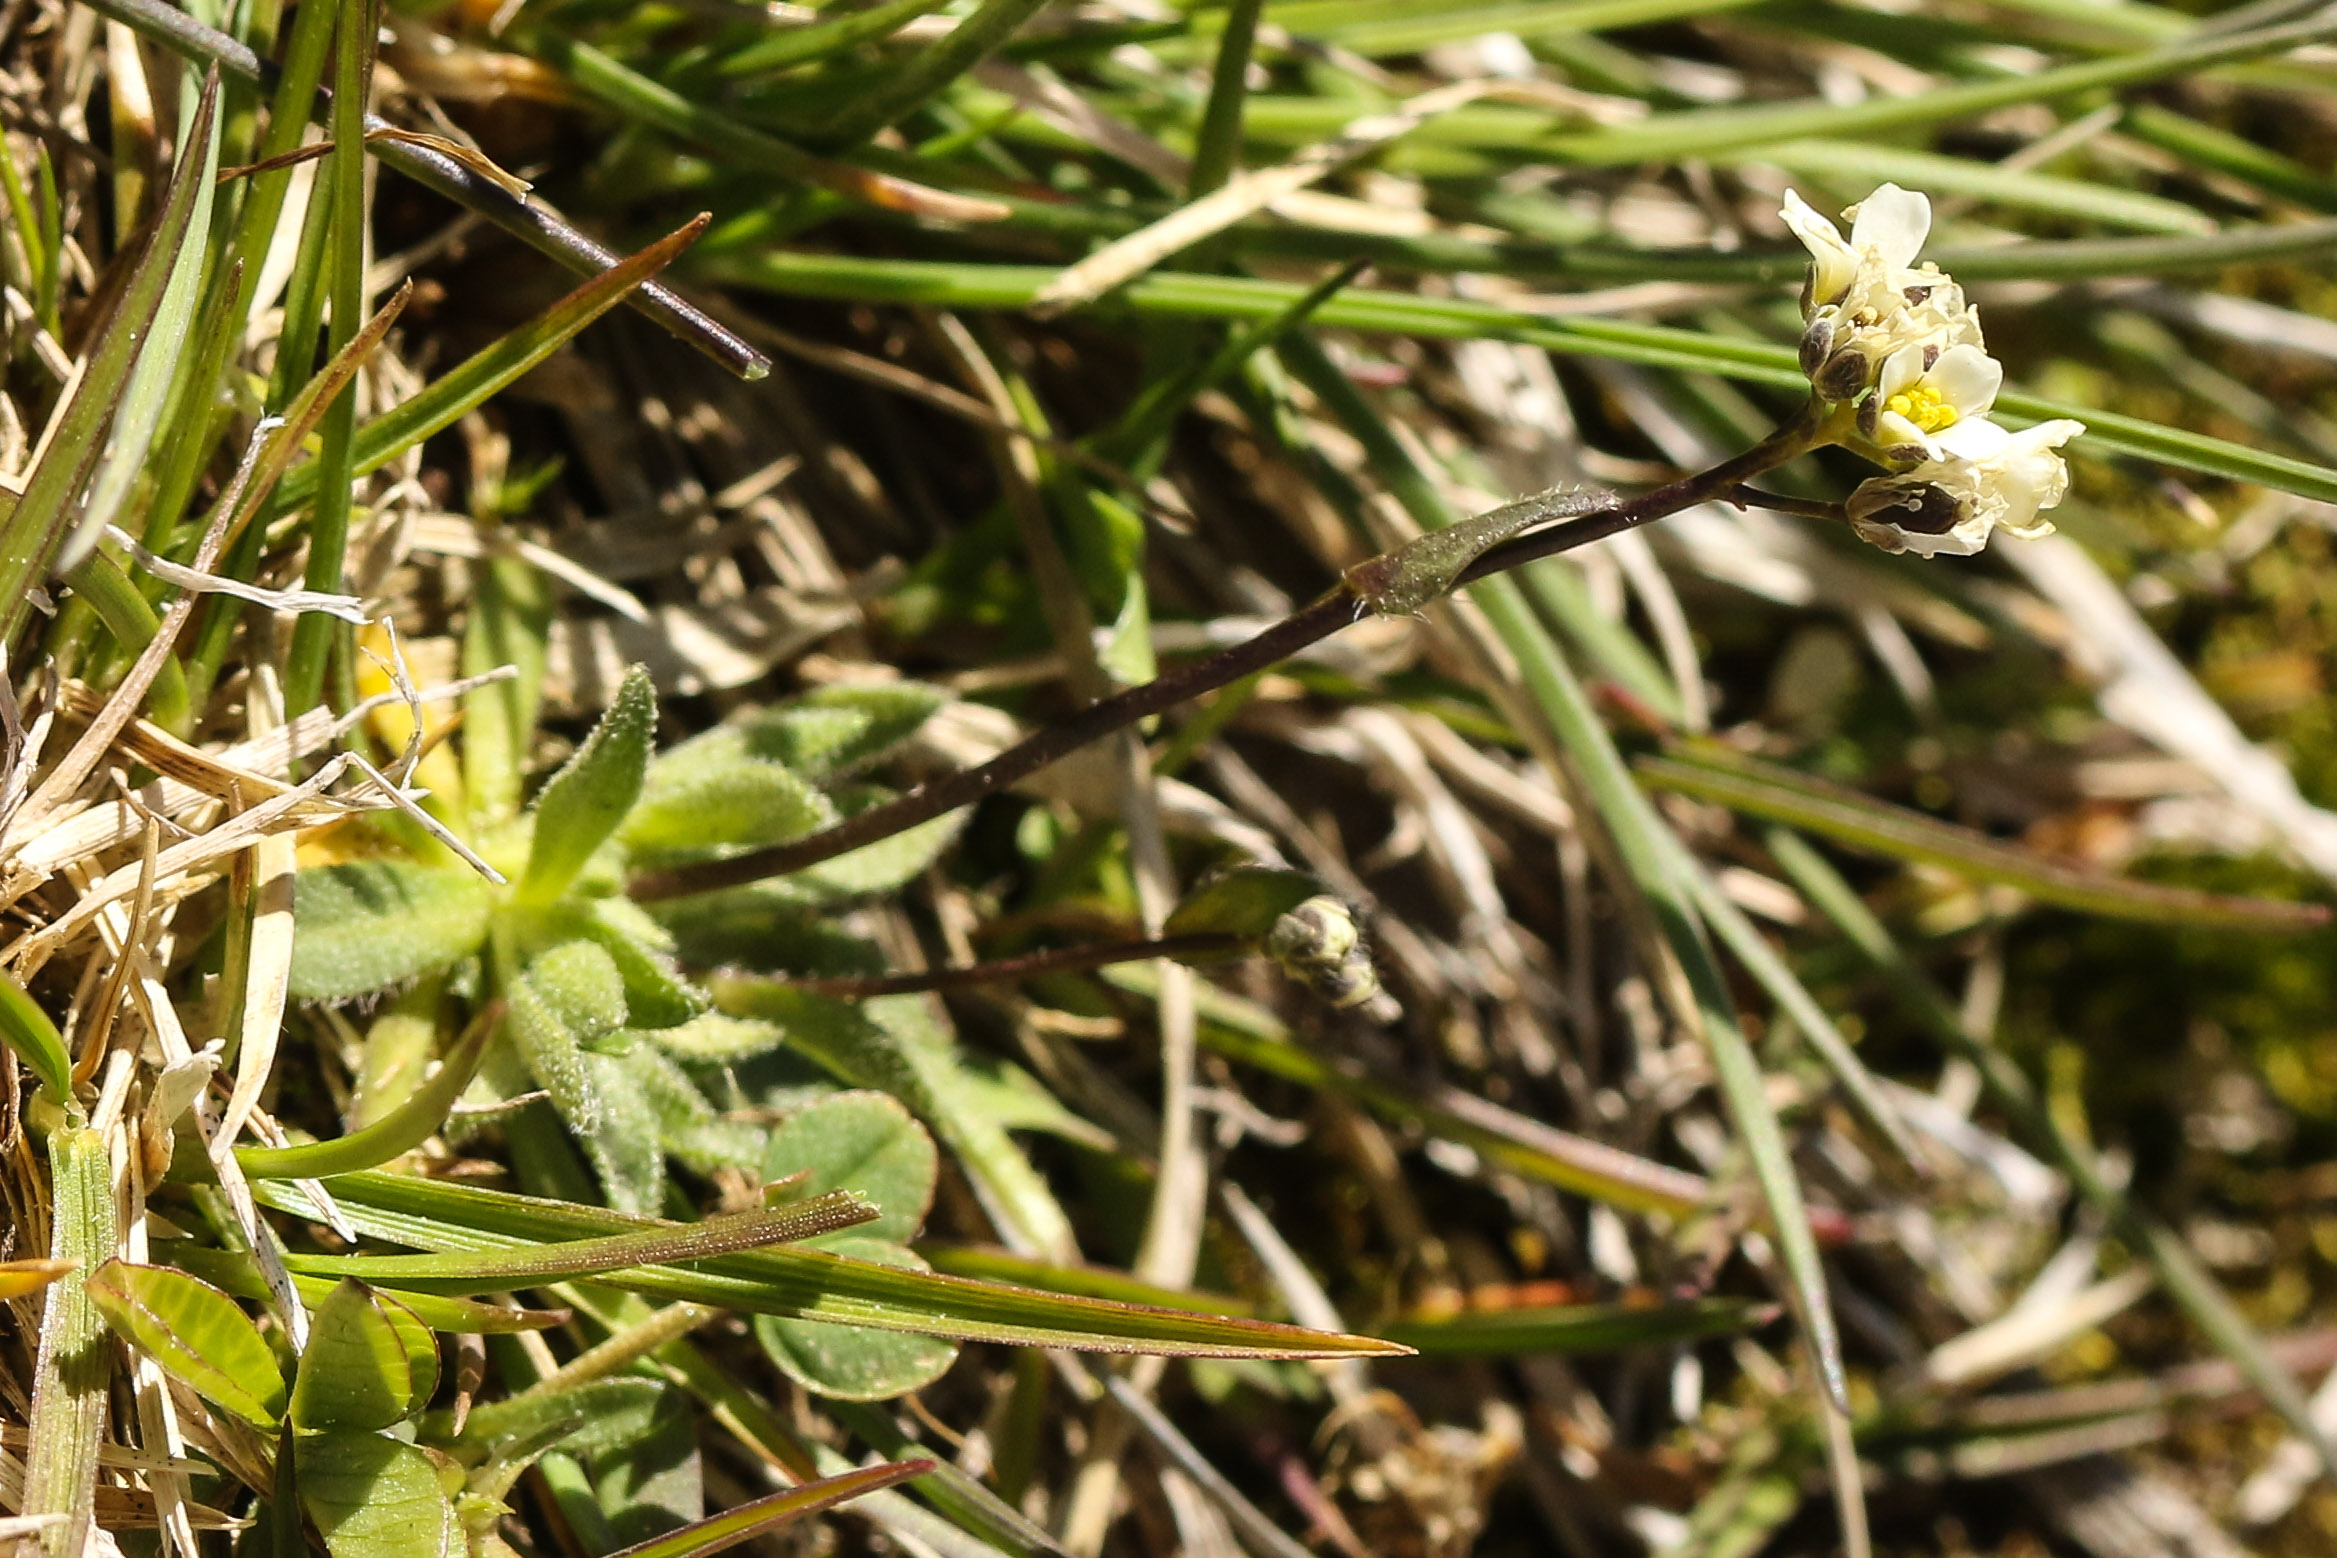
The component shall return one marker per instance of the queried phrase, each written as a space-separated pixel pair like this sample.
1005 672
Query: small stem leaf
26 1029
370 1362
1781 795
752 1519
1400 583
1599 1328
806 1284
364 925
374 1497
538 1264
195 1332
1243 901
404 1128
587 799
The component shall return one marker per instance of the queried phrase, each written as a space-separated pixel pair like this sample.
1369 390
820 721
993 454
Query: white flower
1924 395
1866 298
1949 506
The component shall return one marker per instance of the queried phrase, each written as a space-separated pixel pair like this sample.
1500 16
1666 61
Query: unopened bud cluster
1896 353
1320 945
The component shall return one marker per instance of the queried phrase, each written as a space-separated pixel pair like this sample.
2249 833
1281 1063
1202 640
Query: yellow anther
1921 405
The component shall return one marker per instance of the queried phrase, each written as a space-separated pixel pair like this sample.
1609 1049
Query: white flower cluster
1894 346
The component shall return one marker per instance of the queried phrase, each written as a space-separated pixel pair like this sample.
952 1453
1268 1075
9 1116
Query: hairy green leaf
699 805
833 732
586 801
365 925
865 1142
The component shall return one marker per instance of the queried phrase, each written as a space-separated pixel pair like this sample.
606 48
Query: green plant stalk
2179 1272
930 71
75 1362
315 636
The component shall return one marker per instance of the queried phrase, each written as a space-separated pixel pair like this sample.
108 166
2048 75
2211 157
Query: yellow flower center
1921 405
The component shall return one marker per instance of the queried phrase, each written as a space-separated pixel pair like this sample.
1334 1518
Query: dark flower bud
1320 945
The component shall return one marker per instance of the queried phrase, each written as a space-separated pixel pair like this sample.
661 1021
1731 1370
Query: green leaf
568 998
801 1284
586 800
757 1516
370 1362
625 1138
699 805
632 1241
1781 795
404 1128
27 1030
854 1363
1424 569
691 1129
834 732
1244 901
365 925
584 1420
867 1143
374 1497
1598 1328
716 1038
197 1334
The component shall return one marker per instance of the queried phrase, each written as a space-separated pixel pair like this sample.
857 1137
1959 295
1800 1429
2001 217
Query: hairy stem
1310 624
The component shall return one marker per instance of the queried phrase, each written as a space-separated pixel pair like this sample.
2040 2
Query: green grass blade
829 35
1715 131
463 389
461 1273
236 1274
1780 795
1637 834
26 1029
757 1516
909 86
1181 294
1575 1328
35 531
805 1284
404 1128
74 1365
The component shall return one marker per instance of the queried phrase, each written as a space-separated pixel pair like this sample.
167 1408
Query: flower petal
1834 264
1973 438
1891 224
1967 378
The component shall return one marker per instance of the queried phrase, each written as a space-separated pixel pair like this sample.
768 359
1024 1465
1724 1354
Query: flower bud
1320 945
